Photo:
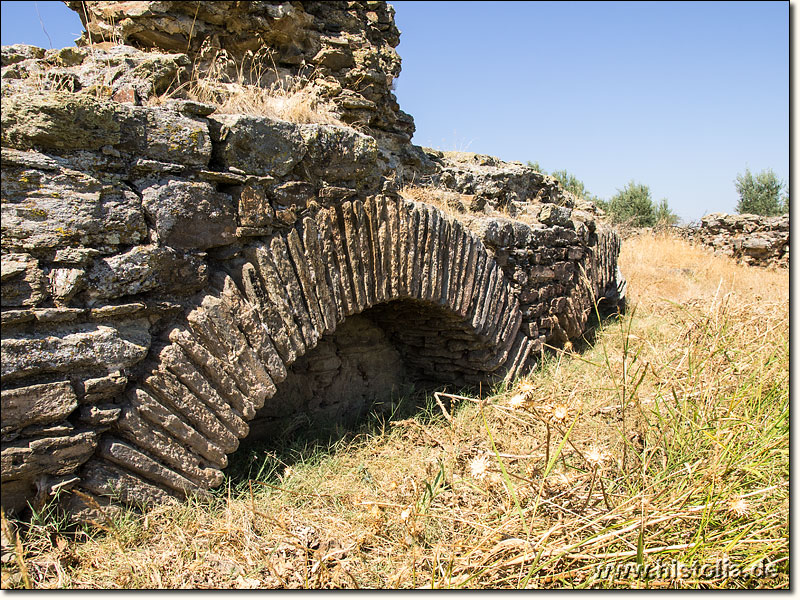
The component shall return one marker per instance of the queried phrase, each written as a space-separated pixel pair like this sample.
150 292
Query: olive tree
761 194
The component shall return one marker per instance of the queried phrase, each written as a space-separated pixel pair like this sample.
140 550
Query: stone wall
752 239
175 280
345 51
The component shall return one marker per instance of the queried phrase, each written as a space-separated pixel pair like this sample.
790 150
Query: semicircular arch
270 305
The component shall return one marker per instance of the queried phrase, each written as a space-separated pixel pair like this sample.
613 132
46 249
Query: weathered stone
164 386
304 226
337 154
309 291
353 254
384 227
334 58
371 216
416 250
162 134
216 371
405 246
434 258
75 256
293 194
296 36
552 214
44 403
317 274
221 338
482 315
249 322
255 209
329 259
257 295
162 445
116 311
331 194
127 456
100 417
465 293
104 479
158 414
19 52
276 292
57 315
179 364
98 389
145 269
189 214
60 121
292 288
47 430
65 283
52 456
22 281
68 349
752 239
365 252
331 228
15 317
257 145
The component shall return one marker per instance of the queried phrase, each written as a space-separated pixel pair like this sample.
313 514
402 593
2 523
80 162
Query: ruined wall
752 239
175 280
344 51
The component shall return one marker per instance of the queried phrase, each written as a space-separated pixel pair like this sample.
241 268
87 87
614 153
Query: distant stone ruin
751 239
176 280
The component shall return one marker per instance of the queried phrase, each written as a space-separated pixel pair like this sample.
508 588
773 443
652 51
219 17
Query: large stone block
34 404
22 281
338 154
189 214
64 206
69 348
51 456
165 135
257 145
145 269
60 121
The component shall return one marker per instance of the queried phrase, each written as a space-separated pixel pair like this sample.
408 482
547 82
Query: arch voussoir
248 319
319 278
273 302
293 290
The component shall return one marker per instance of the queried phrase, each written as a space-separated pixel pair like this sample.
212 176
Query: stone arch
272 303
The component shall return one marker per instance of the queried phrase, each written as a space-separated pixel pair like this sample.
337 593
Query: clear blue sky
679 96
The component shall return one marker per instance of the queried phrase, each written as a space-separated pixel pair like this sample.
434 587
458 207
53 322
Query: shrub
664 215
633 205
569 182
761 194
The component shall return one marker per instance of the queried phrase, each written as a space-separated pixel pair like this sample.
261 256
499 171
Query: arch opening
393 350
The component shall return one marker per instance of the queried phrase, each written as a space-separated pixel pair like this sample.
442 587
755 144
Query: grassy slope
668 441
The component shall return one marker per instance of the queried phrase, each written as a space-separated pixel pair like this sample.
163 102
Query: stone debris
175 280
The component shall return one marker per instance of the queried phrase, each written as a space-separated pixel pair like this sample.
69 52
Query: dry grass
296 103
451 203
254 86
462 206
667 440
